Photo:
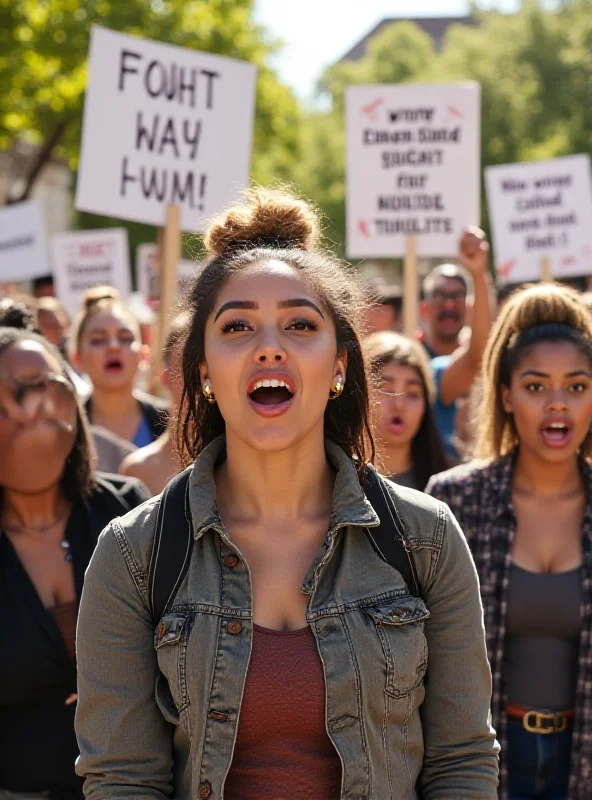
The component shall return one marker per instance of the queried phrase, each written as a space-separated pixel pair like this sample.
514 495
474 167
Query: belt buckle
558 722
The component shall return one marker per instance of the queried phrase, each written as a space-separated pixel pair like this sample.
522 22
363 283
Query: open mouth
396 425
449 316
271 397
556 434
114 365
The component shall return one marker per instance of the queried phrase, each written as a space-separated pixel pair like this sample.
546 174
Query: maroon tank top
282 750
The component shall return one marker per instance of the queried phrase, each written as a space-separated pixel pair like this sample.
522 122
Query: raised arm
460 758
125 742
458 378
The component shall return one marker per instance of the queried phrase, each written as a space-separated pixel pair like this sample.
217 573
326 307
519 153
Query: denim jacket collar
350 506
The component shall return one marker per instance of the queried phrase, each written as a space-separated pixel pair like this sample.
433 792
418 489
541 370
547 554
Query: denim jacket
408 684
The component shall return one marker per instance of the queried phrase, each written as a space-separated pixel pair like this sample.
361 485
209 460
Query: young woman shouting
526 509
106 345
409 448
293 660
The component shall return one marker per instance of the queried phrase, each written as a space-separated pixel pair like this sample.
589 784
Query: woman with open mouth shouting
278 651
527 513
409 448
106 345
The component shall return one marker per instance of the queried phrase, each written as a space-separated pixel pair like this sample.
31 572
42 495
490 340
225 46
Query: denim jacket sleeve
125 742
461 753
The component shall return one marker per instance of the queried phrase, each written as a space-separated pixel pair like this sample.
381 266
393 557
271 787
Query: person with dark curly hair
52 508
290 658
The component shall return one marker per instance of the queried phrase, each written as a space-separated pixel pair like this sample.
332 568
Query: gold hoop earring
208 394
336 392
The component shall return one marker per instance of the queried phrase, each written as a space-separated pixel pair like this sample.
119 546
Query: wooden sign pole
546 271
167 261
169 264
410 287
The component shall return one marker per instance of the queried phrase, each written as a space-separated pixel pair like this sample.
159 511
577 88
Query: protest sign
413 165
23 242
147 273
163 125
83 259
541 216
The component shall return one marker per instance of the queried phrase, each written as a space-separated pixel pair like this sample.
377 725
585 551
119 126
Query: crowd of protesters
292 655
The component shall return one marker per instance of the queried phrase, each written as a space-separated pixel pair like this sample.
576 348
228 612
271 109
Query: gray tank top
542 638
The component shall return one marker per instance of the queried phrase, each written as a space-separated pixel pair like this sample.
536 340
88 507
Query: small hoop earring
208 394
338 389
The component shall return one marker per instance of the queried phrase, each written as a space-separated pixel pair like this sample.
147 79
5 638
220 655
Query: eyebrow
537 374
126 328
250 305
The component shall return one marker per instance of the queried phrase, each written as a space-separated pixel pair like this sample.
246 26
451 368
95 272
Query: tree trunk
39 162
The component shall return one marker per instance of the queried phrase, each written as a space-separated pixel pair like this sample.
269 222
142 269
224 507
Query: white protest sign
83 259
413 167
163 124
541 209
23 242
147 273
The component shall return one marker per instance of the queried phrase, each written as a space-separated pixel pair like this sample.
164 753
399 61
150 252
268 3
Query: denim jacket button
205 790
234 628
231 561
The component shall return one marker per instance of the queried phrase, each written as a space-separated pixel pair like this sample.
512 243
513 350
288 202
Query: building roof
435 27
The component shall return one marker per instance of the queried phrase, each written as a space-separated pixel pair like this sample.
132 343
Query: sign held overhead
83 259
23 242
413 163
541 210
163 125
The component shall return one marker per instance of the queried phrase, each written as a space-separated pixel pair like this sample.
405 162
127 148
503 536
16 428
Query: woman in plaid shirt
526 509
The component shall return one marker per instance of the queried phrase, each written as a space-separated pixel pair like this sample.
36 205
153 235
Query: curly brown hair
541 313
273 224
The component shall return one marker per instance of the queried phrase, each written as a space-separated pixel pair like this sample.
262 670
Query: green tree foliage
535 71
43 62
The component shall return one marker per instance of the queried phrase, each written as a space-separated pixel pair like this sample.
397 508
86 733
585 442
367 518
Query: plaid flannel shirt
480 496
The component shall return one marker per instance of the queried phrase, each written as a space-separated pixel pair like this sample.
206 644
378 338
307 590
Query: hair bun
269 218
99 293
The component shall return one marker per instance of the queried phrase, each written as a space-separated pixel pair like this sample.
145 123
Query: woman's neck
113 404
394 460
33 510
544 479
292 484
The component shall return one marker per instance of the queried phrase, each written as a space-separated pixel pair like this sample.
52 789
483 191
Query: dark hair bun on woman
269 218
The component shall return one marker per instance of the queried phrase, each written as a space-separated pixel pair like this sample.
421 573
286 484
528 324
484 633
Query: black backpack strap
171 550
389 539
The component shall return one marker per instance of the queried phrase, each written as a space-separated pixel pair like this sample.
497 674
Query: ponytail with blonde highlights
540 313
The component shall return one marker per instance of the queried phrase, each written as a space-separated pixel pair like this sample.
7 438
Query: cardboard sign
541 209
163 125
413 166
23 243
147 274
83 259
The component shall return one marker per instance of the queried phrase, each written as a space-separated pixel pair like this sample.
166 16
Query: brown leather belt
541 721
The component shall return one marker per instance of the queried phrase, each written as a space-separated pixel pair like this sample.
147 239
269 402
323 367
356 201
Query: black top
36 674
153 409
543 627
